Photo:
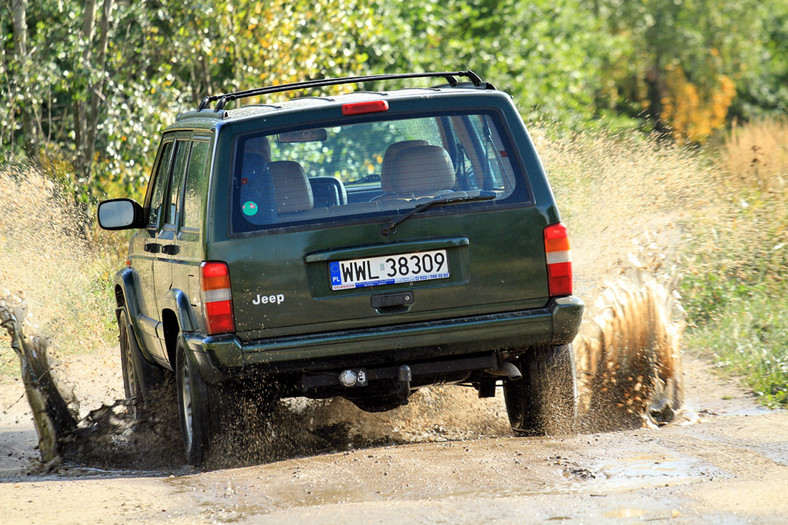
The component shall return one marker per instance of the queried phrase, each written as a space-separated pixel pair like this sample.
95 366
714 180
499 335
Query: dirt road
725 461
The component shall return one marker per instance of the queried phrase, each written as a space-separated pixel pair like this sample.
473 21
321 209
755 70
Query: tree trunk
83 159
96 97
94 59
29 129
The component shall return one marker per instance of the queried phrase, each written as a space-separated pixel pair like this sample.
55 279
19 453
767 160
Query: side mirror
120 214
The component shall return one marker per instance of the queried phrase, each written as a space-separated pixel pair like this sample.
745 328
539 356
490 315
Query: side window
159 188
195 185
494 154
178 169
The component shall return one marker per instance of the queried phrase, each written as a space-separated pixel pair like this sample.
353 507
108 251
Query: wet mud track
725 461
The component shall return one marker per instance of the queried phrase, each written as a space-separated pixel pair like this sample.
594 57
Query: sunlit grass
51 255
748 338
735 264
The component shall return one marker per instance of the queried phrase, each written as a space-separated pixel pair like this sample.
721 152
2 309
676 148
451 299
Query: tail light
559 260
217 297
359 108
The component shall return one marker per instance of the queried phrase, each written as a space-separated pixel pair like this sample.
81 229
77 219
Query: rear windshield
364 169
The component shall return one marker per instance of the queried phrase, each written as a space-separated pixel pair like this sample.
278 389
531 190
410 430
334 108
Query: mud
724 459
628 362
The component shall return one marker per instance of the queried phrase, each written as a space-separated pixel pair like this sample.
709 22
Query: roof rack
227 97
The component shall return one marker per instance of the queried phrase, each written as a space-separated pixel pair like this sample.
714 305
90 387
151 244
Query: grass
51 254
748 338
736 262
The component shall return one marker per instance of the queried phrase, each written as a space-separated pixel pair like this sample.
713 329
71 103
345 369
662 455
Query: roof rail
227 97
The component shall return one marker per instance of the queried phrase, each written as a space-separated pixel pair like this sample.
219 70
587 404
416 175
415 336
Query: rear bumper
221 356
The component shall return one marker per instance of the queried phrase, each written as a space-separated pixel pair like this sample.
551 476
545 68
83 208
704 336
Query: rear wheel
140 378
544 401
198 408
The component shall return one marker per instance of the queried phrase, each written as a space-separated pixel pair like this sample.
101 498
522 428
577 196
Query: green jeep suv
361 245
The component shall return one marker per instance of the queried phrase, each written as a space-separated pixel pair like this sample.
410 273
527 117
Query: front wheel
544 401
198 408
140 378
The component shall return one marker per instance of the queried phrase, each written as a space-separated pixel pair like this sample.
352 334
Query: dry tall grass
756 155
47 256
746 239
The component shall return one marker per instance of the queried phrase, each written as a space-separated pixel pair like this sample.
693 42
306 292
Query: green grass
748 337
735 292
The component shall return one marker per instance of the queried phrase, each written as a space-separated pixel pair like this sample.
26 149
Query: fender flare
128 282
177 301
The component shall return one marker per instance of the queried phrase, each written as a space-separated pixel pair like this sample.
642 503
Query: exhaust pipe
506 369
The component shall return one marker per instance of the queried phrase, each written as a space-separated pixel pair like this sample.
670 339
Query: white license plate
389 269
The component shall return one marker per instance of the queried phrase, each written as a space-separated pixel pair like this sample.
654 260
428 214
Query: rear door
187 247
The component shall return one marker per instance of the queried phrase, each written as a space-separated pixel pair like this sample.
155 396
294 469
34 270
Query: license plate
389 269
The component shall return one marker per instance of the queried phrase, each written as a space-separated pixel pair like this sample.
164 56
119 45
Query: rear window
364 169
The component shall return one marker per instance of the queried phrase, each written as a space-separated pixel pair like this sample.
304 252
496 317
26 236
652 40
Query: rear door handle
152 247
170 249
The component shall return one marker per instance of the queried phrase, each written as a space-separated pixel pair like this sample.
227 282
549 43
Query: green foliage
551 55
676 66
161 58
763 85
606 63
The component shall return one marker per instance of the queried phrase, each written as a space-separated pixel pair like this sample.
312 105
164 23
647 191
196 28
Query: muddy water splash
629 358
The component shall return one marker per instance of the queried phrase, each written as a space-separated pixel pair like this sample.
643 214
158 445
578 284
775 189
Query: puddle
650 470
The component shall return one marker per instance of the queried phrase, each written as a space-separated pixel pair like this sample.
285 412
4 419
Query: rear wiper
392 224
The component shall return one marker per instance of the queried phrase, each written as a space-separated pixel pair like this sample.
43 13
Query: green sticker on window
249 208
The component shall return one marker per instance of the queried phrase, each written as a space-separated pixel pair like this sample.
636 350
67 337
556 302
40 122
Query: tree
686 60
549 54
90 84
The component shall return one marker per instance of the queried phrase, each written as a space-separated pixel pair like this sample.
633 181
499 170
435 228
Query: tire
199 408
140 378
544 401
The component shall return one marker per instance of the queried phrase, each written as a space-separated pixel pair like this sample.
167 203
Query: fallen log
53 418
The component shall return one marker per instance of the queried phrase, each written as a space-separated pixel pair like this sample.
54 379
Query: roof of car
315 102
219 112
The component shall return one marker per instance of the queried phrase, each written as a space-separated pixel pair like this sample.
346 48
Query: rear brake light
217 297
559 260
357 108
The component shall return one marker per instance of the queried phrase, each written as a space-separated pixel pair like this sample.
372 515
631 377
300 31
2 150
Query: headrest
254 165
259 145
386 169
423 169
292 188
256 190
